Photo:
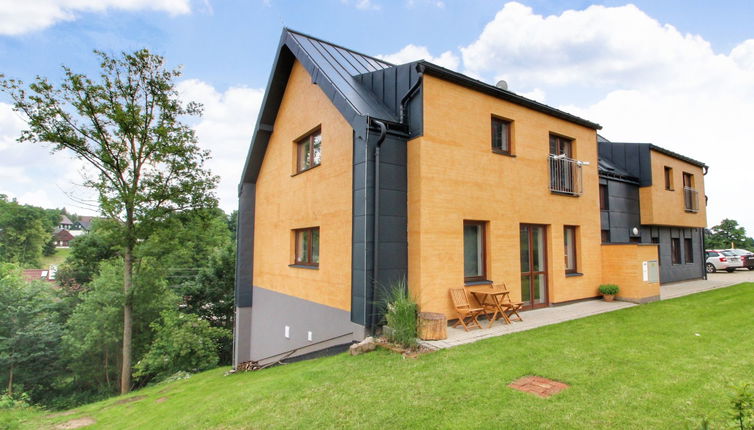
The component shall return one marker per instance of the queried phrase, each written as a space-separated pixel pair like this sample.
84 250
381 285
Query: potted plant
609 291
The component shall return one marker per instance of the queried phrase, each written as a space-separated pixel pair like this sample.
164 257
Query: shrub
609 289
183 342
400 315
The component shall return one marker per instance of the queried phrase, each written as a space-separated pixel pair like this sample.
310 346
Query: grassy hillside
60 255
661 365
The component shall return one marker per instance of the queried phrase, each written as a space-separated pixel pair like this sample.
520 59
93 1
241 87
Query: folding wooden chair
464 309
511 307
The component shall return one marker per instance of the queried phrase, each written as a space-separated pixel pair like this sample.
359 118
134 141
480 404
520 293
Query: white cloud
362 4
646 82
24 16
413 52
225 129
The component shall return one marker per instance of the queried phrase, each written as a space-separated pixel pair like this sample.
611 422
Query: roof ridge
338 46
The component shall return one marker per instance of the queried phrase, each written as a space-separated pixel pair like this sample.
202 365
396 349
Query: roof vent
502 85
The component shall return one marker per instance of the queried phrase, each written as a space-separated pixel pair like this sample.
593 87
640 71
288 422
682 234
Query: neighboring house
48 275
65 223
361 173
651 195
84 223
62 238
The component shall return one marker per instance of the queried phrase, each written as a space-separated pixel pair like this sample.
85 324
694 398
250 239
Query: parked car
747 257
722 260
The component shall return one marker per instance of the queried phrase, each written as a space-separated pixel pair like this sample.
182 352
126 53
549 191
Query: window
668 178
560 146
605 236
603 197
690 199
569 243
307 246
501 136
688 250
474 266
675 250
309 151
565 172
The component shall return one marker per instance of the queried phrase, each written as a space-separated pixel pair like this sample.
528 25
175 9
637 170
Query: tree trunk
107 369
125 372
10 381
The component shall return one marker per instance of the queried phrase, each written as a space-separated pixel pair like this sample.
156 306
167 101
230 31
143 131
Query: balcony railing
690 199
565 175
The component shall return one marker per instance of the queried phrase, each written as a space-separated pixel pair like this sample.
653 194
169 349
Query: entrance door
533 266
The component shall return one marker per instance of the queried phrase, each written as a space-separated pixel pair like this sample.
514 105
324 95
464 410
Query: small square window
309 151
501 136
307 246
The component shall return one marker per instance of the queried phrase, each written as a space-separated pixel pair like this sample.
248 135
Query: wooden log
432 326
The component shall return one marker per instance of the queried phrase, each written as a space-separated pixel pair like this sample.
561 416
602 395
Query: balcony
690 199
565 175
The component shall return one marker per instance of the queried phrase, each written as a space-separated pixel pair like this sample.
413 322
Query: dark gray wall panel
245 245
670 272
273 311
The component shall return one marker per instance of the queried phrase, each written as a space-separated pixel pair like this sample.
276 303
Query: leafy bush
742 408
400 315
609 289
183 342
16 400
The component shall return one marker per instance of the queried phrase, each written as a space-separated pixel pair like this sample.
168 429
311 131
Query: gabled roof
65 220
339 72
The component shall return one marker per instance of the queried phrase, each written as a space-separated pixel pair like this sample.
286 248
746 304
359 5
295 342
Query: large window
565 172
474 266
501 136
309 151
603 197
569 243
307 246
688 250
675 250
690 195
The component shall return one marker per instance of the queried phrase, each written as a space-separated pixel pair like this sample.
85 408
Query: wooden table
493 297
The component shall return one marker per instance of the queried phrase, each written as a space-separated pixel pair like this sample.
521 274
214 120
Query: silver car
722 260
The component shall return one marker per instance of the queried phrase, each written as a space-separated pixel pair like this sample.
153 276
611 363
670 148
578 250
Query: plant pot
608 297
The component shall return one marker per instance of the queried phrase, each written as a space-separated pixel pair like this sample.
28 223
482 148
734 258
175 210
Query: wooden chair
511 307
464 309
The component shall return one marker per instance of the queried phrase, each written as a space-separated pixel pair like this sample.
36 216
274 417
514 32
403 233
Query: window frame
668 172
300 142
574 231
688 250
558 142
483 257
675 250
604 198
309 262
509 132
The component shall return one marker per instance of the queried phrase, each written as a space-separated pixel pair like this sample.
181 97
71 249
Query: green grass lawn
60 255
660 365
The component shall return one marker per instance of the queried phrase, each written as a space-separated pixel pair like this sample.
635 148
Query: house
62 238
84 223
31 275
361 173
65 223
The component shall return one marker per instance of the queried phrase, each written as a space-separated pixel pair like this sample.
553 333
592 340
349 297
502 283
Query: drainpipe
376 222
410 93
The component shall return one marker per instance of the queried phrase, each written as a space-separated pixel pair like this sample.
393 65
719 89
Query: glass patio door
533 266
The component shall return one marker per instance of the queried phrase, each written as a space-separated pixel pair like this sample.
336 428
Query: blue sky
678 73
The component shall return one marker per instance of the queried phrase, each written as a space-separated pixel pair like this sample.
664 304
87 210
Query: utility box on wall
651 271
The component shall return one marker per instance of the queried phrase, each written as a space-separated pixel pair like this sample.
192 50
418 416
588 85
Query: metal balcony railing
565 175
690 199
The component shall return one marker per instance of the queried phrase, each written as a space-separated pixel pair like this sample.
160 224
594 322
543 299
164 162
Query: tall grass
400 314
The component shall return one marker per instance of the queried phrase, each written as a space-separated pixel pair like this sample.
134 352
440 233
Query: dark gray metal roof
608 169
339 66
667 152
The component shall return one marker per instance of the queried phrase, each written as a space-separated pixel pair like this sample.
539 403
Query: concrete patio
553 315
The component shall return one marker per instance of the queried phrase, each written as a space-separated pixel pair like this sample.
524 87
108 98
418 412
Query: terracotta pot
608 297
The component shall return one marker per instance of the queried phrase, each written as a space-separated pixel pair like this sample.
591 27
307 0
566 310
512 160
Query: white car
747 257
722 260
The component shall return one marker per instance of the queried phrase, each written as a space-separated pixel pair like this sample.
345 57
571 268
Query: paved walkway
553 315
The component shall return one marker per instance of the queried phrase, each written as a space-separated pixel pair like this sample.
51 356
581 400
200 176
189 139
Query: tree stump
432 326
